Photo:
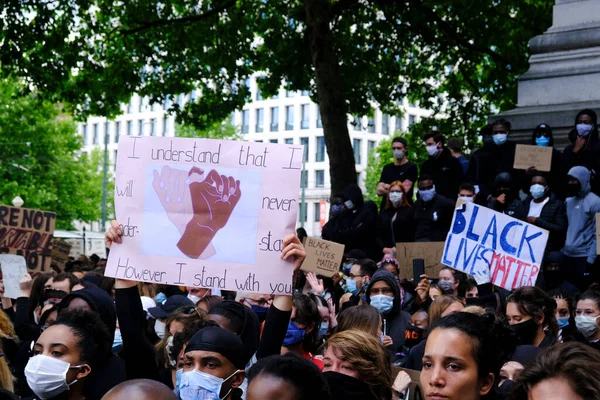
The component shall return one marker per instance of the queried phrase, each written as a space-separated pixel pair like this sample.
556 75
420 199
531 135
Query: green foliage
40 160
219 130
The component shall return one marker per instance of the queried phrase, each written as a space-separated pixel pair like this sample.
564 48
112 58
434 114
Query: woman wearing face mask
531 315
587 317
396 222
505 199
585 151
547 211
565 317
303 329
542 137
450 280
327 313
66 354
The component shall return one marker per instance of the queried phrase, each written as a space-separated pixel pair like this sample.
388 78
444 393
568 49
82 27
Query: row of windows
143 103
150 127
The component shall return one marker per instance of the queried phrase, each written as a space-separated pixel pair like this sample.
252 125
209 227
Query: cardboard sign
205 213
14 269
533 156
60 253
493 247
431 252
322 257
28 233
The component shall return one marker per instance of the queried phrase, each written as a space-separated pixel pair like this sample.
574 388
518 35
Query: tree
459 58
219 130
40 159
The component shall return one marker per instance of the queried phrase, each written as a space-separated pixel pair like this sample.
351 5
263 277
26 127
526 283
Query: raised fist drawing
213 201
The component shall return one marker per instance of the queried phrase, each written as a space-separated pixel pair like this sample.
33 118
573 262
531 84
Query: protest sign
14 269
431 252
60 253
28 233
493 247
205 213
533 156
322 257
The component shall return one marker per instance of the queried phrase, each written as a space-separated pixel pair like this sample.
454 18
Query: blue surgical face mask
323 330
584 129
562 322
261 312
351 286
382 302
199 385
177 381
500 138
336 209
542 141
427 195
537 191
294 335
117 342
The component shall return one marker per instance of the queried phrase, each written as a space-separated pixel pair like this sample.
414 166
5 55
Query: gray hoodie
581 212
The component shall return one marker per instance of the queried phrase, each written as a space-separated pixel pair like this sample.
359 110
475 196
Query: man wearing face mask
445 169
542 137
400 170
358 279
466 192
585 151
580 245
504 199
213 367
433 213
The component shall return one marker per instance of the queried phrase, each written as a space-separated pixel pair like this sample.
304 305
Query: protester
531 315
554 275
455 145
400 170
433 213
303 329
358 280
364 318
396 221
450 280
565 371
356 365
565 317
435 291
471 290
63 281
505 198
446 170
210 301
140 389
585 151
587 315
522 357
542 136
466 192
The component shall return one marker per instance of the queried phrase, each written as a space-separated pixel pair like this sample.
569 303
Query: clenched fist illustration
213 201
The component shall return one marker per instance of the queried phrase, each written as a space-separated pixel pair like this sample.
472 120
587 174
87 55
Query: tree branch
185 20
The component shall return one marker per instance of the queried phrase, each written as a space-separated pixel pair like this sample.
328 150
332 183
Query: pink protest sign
205 213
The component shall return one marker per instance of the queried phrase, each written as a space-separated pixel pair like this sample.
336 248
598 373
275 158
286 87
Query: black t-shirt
392 172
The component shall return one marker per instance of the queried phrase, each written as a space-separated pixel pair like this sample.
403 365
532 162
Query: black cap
219 340
172 304
543 128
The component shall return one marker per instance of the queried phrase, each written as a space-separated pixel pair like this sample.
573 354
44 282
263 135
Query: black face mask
472 301
553 277
413 335
504 390
347 387
573 189
526 331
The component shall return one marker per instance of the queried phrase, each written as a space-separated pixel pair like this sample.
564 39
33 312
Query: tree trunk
330 94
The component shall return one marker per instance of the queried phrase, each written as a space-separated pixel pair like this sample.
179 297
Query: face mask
472 301
323 330
505 389
194 299
542 141
168 347
199 385
584 129
468 199
573 190
349 204
159 328
563 322
382 302
177 381
447 287
432 150
537 191
261 312
526 331
413 335
586 325
336 209
487 139
47 376
117 342
500 138
395 198
553 277
398 154
160 298
294 335
427 195
351 286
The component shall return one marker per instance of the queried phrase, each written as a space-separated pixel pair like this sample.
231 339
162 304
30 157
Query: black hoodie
395 321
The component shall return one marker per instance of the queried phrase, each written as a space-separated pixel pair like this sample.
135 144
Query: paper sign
28 233
14 269
431 252
205 213
322 257
597 233
533 156
493 247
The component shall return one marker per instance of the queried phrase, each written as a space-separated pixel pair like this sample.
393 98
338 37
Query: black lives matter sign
27 232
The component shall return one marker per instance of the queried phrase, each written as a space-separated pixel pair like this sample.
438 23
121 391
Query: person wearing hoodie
580 246
383 293
355 227
445 169
432 212
585 151
542 137
505 197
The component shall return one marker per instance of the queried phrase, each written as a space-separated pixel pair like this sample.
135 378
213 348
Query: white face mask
584 129
349 204
432 150
586 325
194 299
468 199
47 376
159 328
395 198
199 385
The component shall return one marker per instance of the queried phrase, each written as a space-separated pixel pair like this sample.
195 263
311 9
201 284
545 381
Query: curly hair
93 339
368 357
533 301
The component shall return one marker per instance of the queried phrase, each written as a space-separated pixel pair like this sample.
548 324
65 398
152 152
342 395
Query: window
274 119
273 141
304 142
258 141
289 118
411 120
304 179
165 130
258 94
85 134
371 124
385 124
289 141
115 159
320 149
356 123
129 128
141 127
129 106
399 123
356 146
319 121
245 121
320 178
370 146
141 105
289 93
302 214
155 106
358 178
305 115
153 127
306 93
117 131
260 119
317 208
96 134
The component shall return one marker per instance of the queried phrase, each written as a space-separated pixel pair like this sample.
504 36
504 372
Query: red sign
322 213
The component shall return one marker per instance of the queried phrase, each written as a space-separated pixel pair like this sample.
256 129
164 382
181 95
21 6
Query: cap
543 128
172 304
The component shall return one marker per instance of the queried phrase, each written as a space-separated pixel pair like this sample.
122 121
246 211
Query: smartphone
418 268
384 327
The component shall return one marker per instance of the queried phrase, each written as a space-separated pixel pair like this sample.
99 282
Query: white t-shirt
535 209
